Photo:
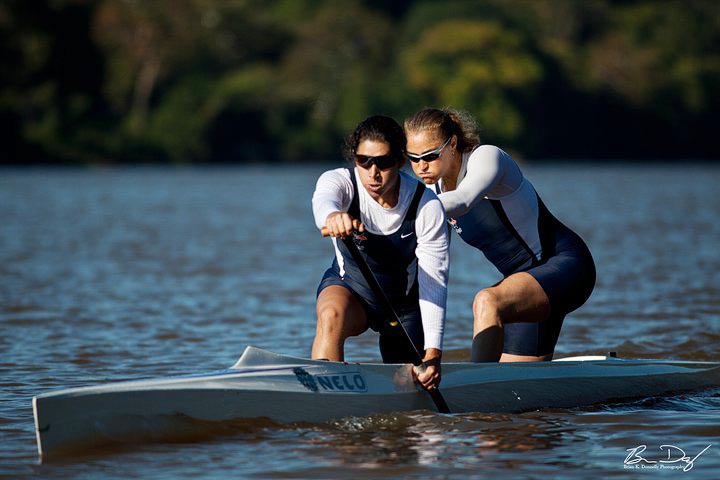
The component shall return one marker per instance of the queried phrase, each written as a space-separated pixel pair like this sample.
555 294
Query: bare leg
509 357
339 316
518 298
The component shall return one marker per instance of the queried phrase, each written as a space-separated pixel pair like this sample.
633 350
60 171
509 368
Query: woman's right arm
331 200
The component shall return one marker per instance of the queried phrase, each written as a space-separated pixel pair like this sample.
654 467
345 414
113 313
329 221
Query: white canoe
282 388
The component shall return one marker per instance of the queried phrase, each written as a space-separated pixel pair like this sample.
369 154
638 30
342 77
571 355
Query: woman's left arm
433 265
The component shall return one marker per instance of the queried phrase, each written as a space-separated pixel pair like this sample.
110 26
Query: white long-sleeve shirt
334 193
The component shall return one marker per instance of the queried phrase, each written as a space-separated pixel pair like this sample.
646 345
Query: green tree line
181 81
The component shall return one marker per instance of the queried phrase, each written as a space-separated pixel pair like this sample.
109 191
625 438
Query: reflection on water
426 438
108 275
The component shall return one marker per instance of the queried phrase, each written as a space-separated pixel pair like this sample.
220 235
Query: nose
373 171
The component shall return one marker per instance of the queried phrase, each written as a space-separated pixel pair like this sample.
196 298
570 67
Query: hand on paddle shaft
427 373
340 224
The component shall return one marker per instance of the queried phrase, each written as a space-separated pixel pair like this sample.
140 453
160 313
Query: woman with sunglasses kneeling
398 226
547 268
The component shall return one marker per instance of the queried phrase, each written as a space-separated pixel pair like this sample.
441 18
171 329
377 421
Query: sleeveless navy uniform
392 259
564 269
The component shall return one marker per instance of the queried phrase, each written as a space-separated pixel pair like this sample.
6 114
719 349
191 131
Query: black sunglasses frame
383 162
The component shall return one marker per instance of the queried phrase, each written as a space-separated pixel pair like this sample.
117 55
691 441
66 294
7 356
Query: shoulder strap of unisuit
413 208
354 209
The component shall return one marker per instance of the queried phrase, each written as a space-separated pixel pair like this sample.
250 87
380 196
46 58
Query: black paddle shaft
390 310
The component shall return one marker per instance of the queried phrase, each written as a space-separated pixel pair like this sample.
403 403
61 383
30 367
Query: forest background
200 81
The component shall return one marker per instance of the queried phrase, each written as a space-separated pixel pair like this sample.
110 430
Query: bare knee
486 311
486 304
329 323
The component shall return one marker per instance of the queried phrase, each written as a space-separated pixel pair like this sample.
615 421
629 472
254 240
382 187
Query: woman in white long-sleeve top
398 225
548 270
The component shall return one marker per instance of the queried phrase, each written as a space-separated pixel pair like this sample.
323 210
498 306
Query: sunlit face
377 182
424 142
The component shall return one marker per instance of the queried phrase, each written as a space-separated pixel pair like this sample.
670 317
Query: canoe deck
282 388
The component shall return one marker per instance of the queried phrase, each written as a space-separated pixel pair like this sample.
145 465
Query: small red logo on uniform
453 224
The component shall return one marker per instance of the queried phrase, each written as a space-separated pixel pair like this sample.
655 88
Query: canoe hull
288 389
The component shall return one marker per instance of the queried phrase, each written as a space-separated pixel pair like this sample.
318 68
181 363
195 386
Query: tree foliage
249 80
477 65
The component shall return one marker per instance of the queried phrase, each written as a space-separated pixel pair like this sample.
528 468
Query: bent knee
329 315
486 302
486 311
338 324
329 322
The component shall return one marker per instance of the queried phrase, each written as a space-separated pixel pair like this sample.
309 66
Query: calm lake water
115 274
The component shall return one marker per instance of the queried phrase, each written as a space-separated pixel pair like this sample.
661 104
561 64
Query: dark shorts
394 346
568 279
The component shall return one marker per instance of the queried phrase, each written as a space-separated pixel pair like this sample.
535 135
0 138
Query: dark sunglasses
383 162
428 156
